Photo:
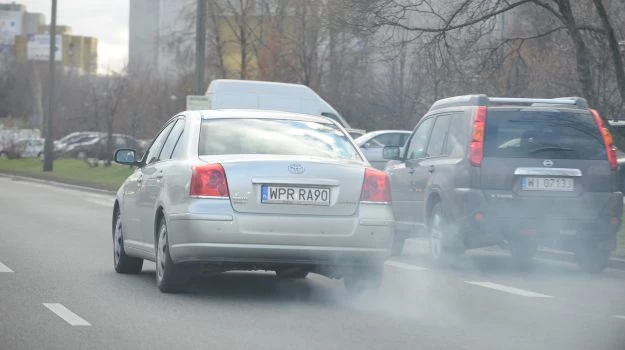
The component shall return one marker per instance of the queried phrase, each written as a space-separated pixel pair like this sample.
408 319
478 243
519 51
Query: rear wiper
551 148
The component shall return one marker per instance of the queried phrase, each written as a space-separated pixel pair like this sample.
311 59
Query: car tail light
477 140
375 187
209 180
607 140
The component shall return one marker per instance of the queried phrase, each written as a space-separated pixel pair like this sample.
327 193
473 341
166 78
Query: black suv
480 171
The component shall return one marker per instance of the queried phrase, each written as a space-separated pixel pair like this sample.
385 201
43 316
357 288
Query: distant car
252 190
96 147
61 145
480 171
26 148
372 144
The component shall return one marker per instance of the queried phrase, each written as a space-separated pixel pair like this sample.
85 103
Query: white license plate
295 195
547 184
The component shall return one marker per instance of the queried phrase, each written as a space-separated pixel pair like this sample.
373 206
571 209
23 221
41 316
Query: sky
106 20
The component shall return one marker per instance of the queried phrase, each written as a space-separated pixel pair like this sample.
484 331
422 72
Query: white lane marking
4 268
619 316
66 314
511 290
401 265
102 202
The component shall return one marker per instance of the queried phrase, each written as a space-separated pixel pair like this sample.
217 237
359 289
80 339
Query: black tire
170 278
522 250
592 257
121 261
364 278
398 246
442 252
292 273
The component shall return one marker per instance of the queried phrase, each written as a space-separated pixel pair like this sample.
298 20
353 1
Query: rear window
274 136
542 134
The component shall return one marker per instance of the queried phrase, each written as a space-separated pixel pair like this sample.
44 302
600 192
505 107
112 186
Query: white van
248 94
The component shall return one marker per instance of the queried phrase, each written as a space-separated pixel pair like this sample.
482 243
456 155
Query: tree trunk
614 48
582 55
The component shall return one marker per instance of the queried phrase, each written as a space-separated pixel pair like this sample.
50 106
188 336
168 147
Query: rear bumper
230 238
486 218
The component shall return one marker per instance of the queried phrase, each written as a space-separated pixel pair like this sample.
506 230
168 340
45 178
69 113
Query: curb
614 263
57 183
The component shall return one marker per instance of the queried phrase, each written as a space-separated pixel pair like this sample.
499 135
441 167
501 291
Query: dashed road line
4 268
511 290
66 314
401 265
619 316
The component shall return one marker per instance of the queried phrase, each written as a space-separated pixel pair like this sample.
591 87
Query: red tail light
477 142
209 180
607 140
375 187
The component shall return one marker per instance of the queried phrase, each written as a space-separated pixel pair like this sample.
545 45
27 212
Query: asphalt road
58 290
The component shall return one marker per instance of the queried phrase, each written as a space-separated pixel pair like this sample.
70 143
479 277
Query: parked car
96 147
26 148
252 190
372 144
479 171
61 145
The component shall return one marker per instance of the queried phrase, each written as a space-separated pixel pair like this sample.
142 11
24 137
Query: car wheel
170 278
122 262
398 246
592 257
522 251
441 254
292 273
363 278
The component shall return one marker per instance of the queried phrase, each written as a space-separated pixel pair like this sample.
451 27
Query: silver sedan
252 190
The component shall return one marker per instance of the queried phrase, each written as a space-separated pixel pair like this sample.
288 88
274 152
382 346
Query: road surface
58 290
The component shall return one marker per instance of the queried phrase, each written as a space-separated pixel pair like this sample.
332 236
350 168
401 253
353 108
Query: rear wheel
170 278
122 262
522 250
398 246
592 257
442 253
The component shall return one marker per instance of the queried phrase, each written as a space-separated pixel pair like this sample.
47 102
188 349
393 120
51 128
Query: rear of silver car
279 211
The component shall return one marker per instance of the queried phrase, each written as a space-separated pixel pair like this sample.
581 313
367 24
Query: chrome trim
548 172
296 181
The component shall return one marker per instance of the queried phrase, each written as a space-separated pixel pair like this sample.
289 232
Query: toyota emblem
296 169
548 162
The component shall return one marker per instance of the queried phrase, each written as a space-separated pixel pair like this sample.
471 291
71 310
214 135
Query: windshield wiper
551 148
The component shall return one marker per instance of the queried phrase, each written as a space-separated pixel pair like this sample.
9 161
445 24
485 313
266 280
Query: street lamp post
48 145
200 46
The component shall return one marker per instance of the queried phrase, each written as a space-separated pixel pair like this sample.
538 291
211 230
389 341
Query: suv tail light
209 180
607 140
375 187
477 141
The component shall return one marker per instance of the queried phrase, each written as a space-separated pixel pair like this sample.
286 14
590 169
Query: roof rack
483 100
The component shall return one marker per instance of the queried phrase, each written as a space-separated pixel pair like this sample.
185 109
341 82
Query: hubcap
436 236
160 253
118 240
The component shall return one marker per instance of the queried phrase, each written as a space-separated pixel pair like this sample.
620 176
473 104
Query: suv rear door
543 158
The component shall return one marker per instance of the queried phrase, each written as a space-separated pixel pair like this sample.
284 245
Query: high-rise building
151 24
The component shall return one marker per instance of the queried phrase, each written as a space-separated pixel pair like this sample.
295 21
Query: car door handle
431 169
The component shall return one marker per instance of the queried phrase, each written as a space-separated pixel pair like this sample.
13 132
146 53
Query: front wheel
122 262
439 229
169 277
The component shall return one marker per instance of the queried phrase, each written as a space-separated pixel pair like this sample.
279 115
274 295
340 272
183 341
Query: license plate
547 184
295 195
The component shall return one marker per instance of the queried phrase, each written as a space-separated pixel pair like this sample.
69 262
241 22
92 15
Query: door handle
431 169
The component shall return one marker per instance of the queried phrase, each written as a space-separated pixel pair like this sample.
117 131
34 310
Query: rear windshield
274 136
542 134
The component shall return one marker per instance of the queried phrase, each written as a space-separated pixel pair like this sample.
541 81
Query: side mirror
391 153
126 156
